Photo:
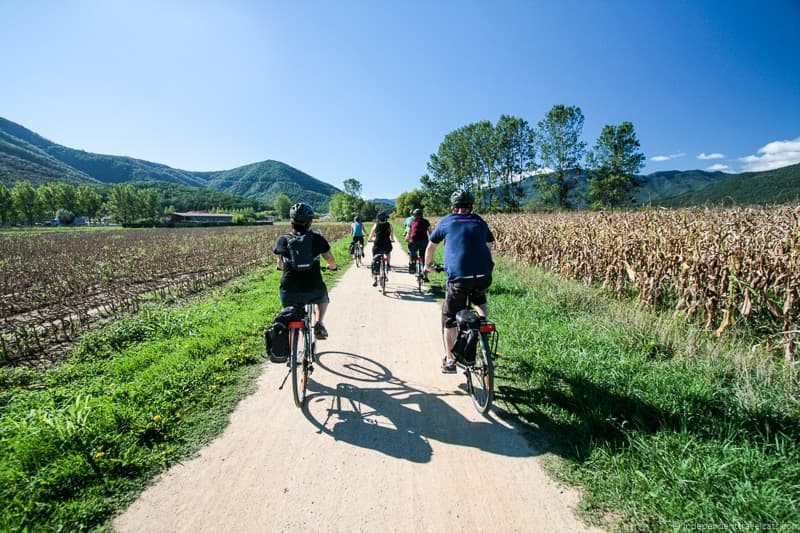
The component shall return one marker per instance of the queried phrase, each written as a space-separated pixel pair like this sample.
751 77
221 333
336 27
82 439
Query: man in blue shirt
468 263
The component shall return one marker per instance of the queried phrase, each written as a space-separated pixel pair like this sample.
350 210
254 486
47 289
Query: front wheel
300 363
480 378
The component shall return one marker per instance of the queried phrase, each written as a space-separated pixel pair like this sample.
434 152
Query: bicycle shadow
385 413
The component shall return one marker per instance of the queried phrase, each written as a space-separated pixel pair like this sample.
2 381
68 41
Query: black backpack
300 257
276 336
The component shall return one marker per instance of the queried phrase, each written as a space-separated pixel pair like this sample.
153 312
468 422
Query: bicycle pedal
310 369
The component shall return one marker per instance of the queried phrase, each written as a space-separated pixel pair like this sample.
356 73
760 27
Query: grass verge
80 440
663 427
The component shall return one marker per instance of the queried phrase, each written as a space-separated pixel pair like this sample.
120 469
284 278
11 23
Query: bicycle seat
467 319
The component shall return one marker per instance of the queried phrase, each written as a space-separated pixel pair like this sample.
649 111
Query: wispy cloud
660 158
720 167
776 154
715 155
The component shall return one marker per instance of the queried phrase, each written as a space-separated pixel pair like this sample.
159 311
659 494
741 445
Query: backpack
300 256
276 336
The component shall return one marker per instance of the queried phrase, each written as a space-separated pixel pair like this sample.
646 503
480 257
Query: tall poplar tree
613 163
562 151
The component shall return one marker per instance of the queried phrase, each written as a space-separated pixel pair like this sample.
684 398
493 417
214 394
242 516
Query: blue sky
367 90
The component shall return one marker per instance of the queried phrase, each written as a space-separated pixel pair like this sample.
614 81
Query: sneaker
425 277
412 268
448 366
320 332
374 282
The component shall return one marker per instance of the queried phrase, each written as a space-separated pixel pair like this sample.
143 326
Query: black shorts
358 239
318 296
456 294
417 247
381 248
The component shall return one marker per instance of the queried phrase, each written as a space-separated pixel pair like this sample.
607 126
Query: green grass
661 426
80 440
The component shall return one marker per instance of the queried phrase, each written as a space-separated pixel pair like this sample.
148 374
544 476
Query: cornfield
54 286
714 264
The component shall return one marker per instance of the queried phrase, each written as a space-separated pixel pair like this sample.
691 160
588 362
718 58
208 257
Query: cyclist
407 223
302 285
357 234
383 236
468 263
417 238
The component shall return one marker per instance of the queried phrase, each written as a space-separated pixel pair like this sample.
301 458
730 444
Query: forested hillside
25 155
770 187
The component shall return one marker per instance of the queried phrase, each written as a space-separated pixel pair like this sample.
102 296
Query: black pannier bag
376 264
276 336
466 344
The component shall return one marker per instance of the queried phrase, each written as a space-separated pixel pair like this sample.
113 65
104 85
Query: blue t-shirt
465 250
358 229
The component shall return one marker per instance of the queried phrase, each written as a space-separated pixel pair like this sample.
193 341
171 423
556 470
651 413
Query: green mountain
27 155
657 186
768 187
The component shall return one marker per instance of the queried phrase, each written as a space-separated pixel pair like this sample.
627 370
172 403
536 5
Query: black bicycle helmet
357 218
416 212
382 216
301 214
461 198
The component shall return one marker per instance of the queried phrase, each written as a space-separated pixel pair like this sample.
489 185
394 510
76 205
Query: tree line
127 203
494 159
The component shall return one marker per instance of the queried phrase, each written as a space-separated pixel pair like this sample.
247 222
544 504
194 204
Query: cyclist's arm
372 233
328 256
391 233
429 251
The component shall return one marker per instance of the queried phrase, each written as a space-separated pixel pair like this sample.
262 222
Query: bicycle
478 370
358 252
420 272
383 272
303 343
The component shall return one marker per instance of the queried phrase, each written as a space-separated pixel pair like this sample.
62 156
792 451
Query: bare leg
321 308
483 310
449 340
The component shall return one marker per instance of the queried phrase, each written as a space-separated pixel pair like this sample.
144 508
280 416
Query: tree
352 187
65 216
562 150
48 195
514 152
89 202
408 201
123 203
26 201
282 205
344 207
149 205
66 196
613 163
369 210
6 205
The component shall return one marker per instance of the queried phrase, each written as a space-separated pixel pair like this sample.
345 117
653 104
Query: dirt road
388 442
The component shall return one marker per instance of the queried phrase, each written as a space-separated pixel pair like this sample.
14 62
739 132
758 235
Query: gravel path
387 443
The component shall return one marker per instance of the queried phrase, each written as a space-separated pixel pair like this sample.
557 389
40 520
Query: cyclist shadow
389 415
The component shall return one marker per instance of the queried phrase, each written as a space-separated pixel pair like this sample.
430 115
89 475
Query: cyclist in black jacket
300 287
383 236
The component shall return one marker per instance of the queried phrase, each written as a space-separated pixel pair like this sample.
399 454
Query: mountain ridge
25 154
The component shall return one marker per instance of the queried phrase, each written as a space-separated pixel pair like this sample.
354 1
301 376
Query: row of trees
346 205
493 159
28 204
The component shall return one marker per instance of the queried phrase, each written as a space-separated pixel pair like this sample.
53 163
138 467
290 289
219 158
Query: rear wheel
300 363
384 276
358 256
480 377
419 276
